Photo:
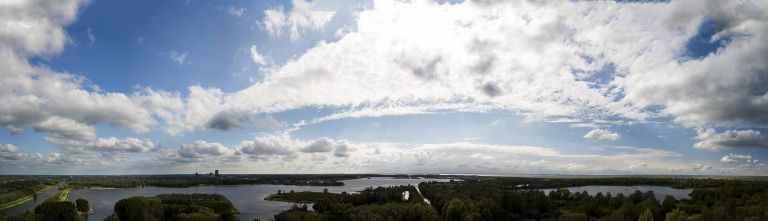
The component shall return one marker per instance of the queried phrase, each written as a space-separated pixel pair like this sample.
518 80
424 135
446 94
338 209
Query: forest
174 207
59 208
15 190
466 198
508 199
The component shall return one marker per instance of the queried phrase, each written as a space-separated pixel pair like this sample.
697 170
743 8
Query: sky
384 86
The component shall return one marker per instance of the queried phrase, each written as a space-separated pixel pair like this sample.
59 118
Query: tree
573 217
676 215
29 215
112 217
56 211
646 216
82 205
668 204
139 208
298 215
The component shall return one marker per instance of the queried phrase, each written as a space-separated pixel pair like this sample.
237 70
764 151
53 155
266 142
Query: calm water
248 199
29 204
659 191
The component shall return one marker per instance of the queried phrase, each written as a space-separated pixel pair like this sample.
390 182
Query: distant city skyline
384 86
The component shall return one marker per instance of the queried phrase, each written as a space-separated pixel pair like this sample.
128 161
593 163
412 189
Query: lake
248 199
659 191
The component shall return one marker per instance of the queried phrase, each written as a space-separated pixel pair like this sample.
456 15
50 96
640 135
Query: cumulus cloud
267 145
343 149
321 145
231 119
256 57
722 88
202 149
283 144
461 157
734 158
446 60
710 139
111 144
602 134
467 157
11 152
519 57
551 62
434 64
301 18
60 104
62 128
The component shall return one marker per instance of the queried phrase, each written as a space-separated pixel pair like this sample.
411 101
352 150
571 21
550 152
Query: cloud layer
602 62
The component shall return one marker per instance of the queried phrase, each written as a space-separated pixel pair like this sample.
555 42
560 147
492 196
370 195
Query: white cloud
202 108
256 57
710 139
734 158
496 123
281 153
62 128
11 152
231 119
602 134
436 61
447 60
438 54
267 145
91 37
721 89
343 149
237 12
111 144
301 18
422 57
697 166
202 149
48 100
283 144
321 145
178 57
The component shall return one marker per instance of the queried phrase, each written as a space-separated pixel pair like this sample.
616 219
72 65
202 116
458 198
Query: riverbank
101 188
23 199
62 195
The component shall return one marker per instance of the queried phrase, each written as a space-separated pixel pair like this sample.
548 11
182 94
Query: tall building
216 173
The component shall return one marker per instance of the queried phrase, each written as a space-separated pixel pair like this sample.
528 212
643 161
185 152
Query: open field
62 195
23 199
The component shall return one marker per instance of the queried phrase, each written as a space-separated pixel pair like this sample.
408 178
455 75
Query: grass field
62 195
23 199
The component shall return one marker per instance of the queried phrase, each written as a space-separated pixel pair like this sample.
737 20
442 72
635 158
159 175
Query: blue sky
383 86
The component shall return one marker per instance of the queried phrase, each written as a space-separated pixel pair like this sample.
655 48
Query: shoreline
23 200
61 195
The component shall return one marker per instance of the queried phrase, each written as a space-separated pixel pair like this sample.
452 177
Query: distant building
216 173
